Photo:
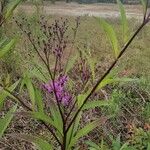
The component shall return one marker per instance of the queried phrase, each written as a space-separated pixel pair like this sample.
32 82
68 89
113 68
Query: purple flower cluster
59 87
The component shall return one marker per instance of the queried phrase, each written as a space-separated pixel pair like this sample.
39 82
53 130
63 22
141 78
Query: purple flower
59 87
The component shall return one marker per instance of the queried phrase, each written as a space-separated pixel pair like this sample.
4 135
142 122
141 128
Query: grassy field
74 9
131 100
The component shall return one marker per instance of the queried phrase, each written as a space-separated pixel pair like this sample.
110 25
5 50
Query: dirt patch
97 10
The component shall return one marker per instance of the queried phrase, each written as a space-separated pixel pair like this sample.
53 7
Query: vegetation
57 94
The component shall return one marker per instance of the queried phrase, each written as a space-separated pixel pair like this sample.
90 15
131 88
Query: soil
74 9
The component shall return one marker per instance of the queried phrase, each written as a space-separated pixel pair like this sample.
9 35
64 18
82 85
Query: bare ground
74 9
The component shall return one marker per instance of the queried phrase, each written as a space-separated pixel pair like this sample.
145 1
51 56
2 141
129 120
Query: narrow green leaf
93 145
10 8
58 123
107 81
73 130
111 36
4 94
38 74
123 21
91 61
39 100
124 146
3 42
6 120
144 4
148 147
84 131
7 47
116 143
71 62
40 143
81 98
27 81
43 117
69 136
97 103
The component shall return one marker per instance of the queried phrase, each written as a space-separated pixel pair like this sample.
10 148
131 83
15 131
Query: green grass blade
143 2
73 130
92 145
40 143
123 21
7 48
111 36
43 117
10 8
97 103
116 143
124 146
39 100
107 81
148 147
27 81
71 62
6 120
91 61
58 123
4 94
38 74
84 131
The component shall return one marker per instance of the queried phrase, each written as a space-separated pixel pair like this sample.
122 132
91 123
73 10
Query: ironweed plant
66 106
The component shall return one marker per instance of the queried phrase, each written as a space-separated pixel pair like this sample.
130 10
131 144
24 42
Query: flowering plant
63 112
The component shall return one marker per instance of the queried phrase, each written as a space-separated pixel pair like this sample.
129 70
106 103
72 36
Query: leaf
3 42
71 62
4 94
7 47
43 117
114 80
58 123
36 73
144 4
10 8
124 146
84 131
123 21
91 61
39 100
148 147
93 145
81 98
6 120
116 143
111 36
27 81
37 141
72 131
96 103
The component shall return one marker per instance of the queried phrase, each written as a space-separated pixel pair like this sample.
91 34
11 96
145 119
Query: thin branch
46 64
29 38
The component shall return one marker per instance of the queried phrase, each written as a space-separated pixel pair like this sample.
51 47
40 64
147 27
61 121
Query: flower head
58 87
